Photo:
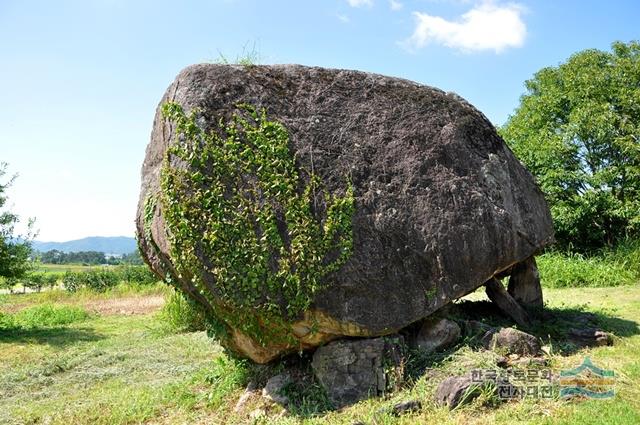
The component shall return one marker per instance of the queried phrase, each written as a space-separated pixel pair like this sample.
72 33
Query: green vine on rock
255 237
148 213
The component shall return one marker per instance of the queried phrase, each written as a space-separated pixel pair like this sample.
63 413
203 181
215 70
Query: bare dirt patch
107 307
126 306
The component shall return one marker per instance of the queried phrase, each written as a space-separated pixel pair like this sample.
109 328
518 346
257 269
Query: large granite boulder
441 203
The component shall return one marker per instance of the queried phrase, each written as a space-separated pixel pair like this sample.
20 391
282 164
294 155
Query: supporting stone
524 284
505 302
435 334
353 370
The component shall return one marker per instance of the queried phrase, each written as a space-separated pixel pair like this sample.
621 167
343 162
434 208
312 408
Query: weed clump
43 316
182 315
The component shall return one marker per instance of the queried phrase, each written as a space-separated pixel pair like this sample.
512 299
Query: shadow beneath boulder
563 327
306 396
55 336
566 329
290 383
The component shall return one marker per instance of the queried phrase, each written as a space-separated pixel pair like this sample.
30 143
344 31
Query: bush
182 315
103 279
34 281
141 275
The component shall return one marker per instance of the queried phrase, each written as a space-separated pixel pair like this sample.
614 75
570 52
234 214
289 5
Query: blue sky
81 79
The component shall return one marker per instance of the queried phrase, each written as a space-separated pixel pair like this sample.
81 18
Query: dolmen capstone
297 205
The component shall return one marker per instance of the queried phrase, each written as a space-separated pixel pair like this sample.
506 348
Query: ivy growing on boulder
253 235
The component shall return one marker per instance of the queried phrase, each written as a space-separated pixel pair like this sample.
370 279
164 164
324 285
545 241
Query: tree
14 250
577 129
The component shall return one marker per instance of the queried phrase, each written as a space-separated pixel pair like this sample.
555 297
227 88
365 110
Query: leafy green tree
14 250
577 129
133 258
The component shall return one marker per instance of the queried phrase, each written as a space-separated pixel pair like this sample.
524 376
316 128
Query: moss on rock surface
253 235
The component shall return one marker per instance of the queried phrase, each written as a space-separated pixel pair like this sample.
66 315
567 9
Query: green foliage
307 397
239 214
82 257
577 129
149 211
14 250
94 258
133 258
101 279
140 275
609 267
182 315
248 57
43 316
227 375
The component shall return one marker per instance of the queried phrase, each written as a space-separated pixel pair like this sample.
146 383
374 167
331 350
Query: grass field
119 363
61 268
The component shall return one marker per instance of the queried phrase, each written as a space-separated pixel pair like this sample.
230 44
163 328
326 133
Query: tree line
90 258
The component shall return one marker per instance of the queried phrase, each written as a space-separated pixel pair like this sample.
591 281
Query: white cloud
343 18
360 3
484 27
395 5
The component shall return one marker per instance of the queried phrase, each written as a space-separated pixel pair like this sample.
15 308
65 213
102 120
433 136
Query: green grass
126 369
42 316
82 295
559 270
61 268
114 369
179 315
613 267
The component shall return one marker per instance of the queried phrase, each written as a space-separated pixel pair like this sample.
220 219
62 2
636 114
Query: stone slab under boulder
506 303
441 204
435 334
354 370
524 284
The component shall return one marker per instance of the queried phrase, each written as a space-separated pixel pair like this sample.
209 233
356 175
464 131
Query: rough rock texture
512 341
589 337
442 204
506 303
456 390
353 370
274 387
524 284
405 407
436 334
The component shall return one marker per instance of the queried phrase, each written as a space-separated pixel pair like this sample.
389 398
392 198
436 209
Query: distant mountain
108 245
